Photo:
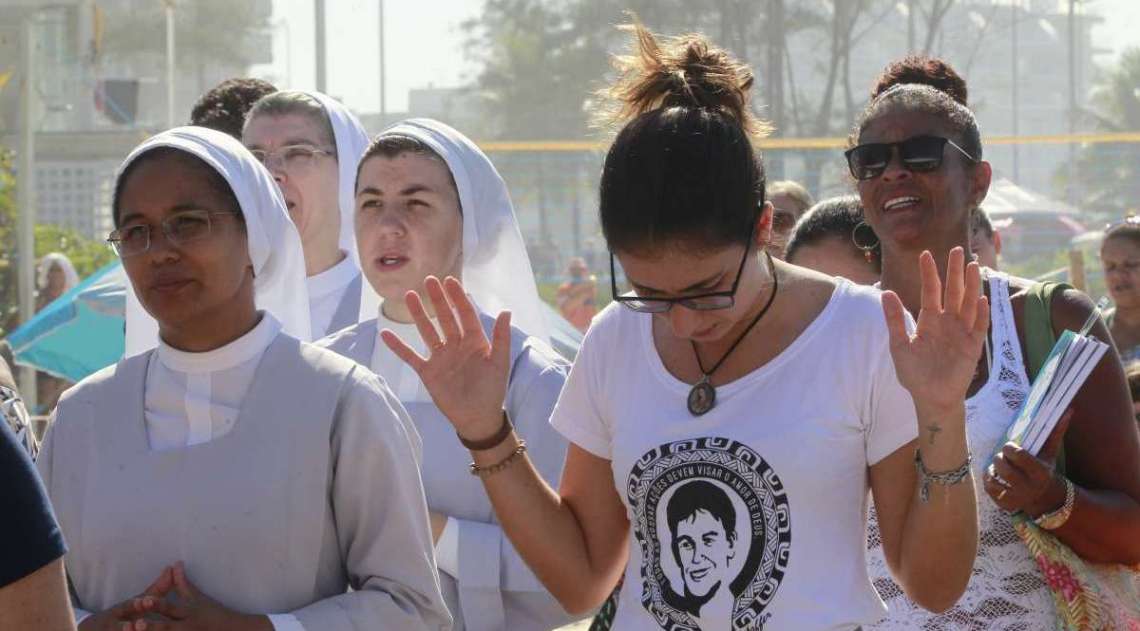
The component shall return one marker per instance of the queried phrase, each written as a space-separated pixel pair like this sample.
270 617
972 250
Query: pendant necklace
702 397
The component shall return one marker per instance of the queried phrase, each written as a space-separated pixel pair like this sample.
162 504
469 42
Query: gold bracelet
492 469
1055 519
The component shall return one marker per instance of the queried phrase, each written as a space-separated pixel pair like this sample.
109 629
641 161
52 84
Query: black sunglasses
701 302
919 154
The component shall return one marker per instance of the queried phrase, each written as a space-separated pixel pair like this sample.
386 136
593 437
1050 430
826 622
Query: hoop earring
868 249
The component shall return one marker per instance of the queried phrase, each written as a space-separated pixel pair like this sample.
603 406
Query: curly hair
932 71
225 106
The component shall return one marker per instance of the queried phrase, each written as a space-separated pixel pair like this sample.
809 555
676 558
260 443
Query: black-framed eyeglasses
290 157
701 302
180 228
919 154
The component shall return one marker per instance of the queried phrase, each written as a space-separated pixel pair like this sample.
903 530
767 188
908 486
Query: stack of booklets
1065 370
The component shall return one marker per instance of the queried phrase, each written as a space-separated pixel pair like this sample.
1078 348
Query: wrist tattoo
933 429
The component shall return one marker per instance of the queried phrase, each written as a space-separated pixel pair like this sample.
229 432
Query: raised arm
574 539
930 537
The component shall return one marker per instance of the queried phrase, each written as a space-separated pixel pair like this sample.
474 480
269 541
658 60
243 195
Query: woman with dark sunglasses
919 171
724 369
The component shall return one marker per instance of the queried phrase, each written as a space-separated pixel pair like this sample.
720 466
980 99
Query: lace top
1006 591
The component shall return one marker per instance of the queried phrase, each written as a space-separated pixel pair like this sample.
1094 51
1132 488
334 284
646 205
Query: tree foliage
1109 173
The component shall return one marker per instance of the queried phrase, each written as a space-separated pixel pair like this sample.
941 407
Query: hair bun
686 71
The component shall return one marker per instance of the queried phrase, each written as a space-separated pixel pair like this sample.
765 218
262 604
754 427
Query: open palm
465 374
937 363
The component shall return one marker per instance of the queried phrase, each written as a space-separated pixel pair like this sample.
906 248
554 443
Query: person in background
1132 372
577 297
311 143
985 240
790 200
431 204
832 238
33 589
1120 257
56 276
225 106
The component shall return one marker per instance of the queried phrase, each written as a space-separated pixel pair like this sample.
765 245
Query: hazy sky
424 45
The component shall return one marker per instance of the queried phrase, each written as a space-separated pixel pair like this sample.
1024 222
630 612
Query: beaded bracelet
484 471
943 478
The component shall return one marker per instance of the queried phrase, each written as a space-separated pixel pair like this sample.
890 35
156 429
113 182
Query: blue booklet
1065 370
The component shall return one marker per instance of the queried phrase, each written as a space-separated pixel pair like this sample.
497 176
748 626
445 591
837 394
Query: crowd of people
339 407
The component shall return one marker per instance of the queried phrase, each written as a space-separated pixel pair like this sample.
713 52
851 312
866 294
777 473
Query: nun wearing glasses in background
226 474
311 144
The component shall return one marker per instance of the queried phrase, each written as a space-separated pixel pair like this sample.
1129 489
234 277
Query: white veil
274 245
351 141
70 276
496 269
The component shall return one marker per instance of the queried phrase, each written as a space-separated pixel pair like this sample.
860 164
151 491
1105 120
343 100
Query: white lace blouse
1006 590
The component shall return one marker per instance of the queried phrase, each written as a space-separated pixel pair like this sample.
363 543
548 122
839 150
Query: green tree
86 254
542 60
1110 172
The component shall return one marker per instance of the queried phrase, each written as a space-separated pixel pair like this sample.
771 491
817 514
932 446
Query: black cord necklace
702 397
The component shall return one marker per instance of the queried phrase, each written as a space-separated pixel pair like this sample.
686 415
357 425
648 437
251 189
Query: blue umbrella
78 333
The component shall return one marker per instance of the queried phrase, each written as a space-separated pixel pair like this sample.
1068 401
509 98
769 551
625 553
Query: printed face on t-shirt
712 520
704 551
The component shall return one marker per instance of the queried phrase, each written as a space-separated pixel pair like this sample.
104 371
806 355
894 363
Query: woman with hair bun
715 462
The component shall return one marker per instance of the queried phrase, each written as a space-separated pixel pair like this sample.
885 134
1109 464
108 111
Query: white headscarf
496 269
70 276
351 141
274 244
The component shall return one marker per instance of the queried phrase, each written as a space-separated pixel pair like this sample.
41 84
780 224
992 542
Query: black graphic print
713 525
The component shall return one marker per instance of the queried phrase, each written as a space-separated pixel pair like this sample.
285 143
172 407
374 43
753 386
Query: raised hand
465 374
937 363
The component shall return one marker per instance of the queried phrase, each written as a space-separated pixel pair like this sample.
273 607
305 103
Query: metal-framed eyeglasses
710 301
180 228
290 157
920 154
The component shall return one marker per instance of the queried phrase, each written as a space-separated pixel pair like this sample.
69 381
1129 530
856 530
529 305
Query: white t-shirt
752 516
